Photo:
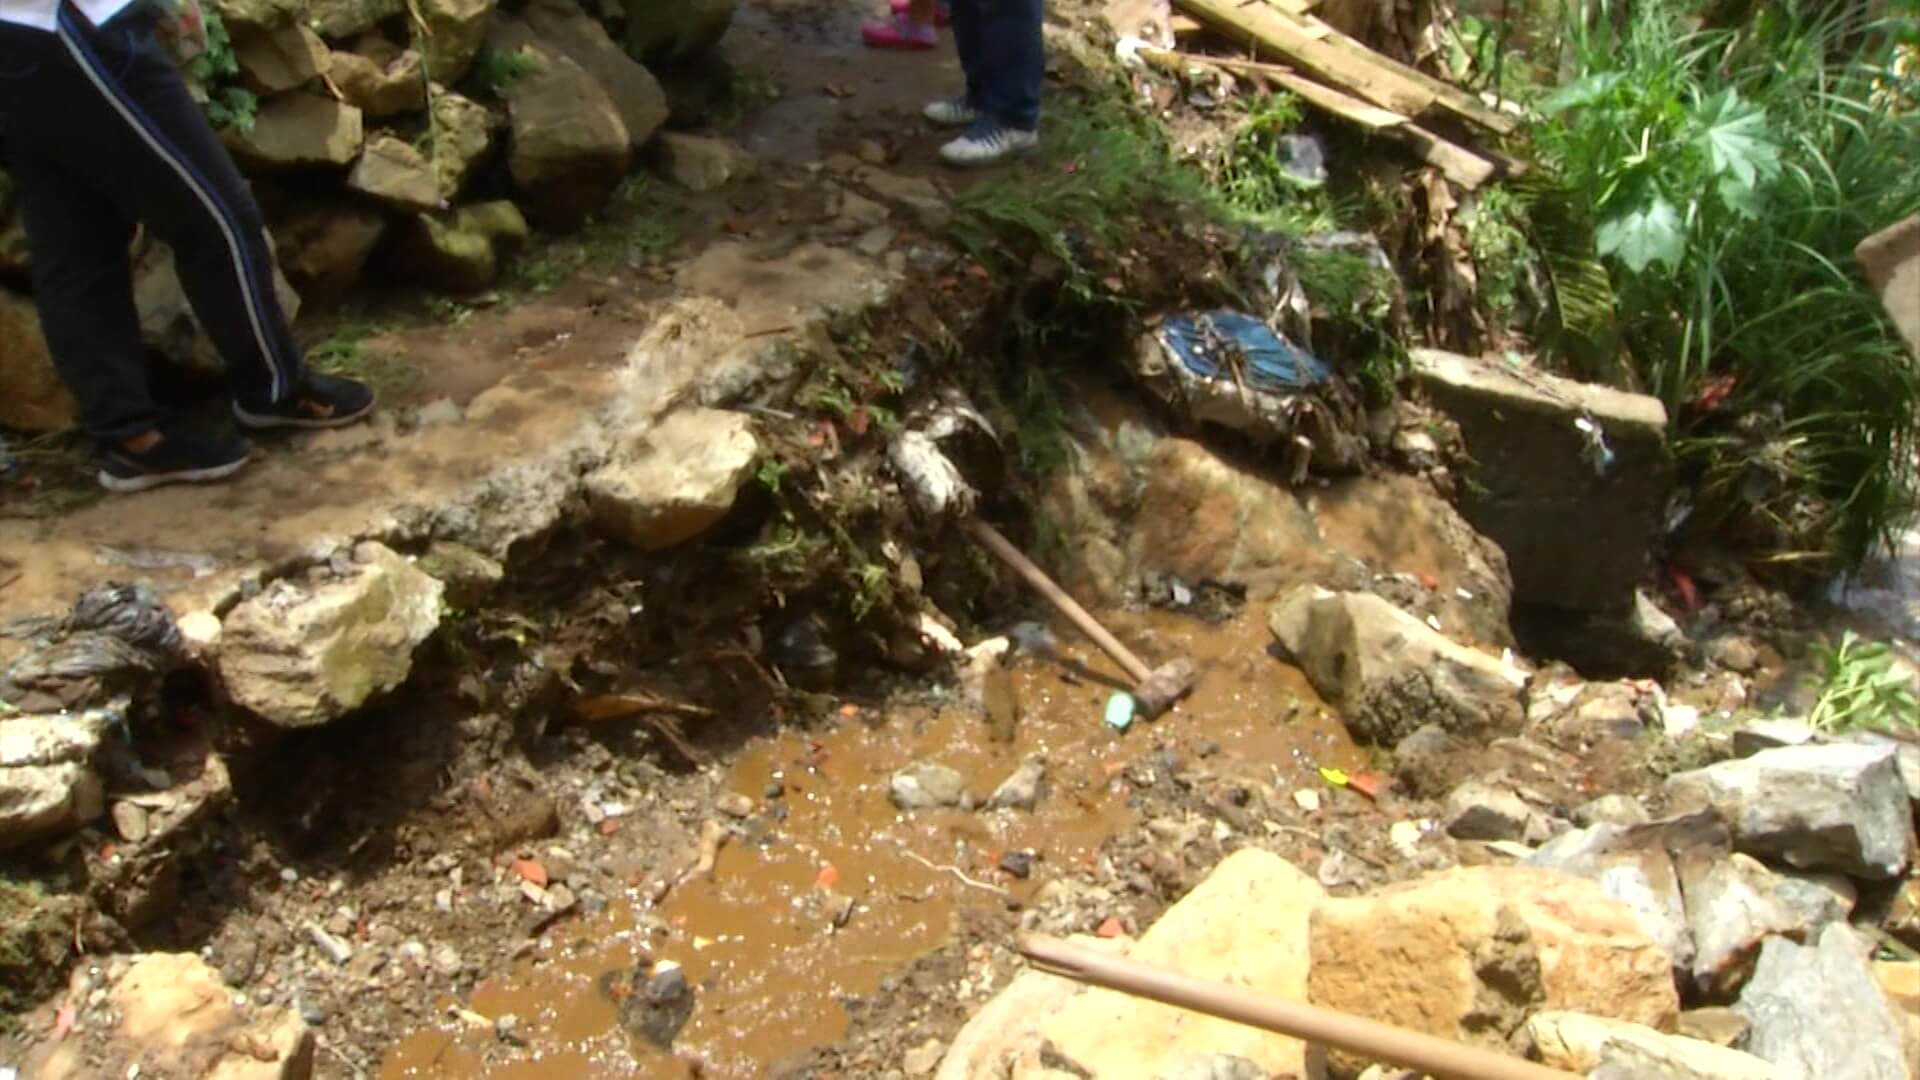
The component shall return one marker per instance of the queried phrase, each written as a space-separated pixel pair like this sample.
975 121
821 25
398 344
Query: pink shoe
899 33
942 13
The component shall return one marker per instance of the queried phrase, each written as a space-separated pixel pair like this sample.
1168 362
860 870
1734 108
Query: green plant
227 104
345 352
1860 685
495 71
1729 175
1498 243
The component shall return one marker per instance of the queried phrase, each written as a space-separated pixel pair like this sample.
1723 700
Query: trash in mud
654 1001
1018 863
111 646
1302 160
1228 368
1120 709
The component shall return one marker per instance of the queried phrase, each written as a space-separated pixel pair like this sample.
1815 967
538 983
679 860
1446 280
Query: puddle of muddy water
758 940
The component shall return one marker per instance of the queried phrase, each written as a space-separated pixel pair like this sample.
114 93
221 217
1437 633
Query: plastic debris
1302 160
1307 799
1334 777
1120 711
1405 837
1595 452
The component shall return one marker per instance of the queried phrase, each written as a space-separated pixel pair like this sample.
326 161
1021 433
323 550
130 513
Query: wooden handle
991 539
1358 1035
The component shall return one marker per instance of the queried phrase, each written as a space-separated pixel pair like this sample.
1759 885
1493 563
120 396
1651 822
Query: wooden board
1343 62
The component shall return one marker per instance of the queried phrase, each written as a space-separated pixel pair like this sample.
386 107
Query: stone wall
417 137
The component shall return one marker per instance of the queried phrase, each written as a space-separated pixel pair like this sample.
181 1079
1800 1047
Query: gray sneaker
987 143
954 112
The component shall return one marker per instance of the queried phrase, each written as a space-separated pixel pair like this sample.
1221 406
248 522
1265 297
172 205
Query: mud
759 939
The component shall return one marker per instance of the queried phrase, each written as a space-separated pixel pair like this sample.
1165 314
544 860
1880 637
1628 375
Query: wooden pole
1368 1038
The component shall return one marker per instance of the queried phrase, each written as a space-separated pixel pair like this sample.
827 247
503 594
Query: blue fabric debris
1204 343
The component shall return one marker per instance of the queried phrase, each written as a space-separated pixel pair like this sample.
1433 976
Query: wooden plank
1345 106
1338 59
1456 163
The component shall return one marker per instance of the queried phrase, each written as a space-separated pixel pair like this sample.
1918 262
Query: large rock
564 26
1004 1038
1817 1011
461 252
35 399
380 81
324 246
1641 876
167 320
299 130
281 58
1576 537
300 655
337 19
569 148
1733 906
455 32
391 171
1838 807
1389 673
699 163
177 1018
1581 1043
670 31
463 133
1246 926
47 781
677 480
1470 953
256 14
1480 811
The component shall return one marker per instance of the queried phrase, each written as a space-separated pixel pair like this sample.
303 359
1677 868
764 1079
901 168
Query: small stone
870 151
561 864
925 785
923 1059
335 949
446 961
1732 907
289 875
310 1010
775 790
1480 811
1018 863
1622 810
1021 791
734 804
1736 654
130 822
701 164
1759 735
1717 1025
506 1028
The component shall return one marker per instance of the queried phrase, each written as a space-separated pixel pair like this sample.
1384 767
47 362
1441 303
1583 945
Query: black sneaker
323 401
185 456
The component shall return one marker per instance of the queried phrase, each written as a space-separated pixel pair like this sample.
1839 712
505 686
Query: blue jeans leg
1001 49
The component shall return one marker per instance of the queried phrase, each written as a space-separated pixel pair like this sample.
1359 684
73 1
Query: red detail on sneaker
899 33
942 13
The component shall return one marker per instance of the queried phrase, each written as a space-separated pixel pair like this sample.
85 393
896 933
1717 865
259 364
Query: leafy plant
227 104
1729 175
1860 685
494 70
1499 248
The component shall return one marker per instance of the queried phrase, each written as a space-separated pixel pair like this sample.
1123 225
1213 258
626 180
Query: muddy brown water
757 940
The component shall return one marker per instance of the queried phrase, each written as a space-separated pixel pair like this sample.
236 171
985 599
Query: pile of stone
364 154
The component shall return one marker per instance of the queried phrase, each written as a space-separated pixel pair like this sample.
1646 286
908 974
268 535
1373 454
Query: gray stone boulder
1733 906
1577 536
1634 869
392 172
568 148
303 653
380 79
1021 790
1590 1044
1477 810
699 163
48 785
564 26
280 58
1817 1011
1836 807
462 251
677 480
671 31
1389 673
463 134
35 399
299 130
455 32
338 19
324 245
